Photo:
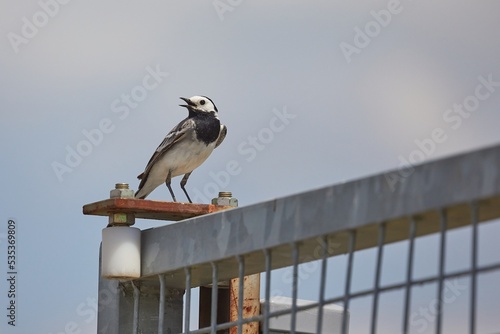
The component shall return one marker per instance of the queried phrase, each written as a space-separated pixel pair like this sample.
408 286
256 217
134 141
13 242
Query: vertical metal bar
409 274
295 259
347 291
381 237
187 306
161 308
215 281
443 222
473 294
135 322
241 275
324 252
267 305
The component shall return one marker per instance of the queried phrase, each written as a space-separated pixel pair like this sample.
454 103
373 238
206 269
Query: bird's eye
202 102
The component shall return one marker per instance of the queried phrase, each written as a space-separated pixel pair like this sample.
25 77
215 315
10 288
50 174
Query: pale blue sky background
347 119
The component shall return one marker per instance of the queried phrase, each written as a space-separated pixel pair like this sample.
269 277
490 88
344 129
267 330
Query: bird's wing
172 137
222 135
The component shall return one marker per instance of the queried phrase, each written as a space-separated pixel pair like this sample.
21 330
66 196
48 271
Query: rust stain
251 302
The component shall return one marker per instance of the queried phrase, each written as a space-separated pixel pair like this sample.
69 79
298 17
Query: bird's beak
188 101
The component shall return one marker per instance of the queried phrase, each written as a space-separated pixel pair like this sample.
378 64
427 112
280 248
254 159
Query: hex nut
121 219
225 201
121 193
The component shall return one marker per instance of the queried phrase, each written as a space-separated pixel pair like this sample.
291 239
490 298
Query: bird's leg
167 182
183 183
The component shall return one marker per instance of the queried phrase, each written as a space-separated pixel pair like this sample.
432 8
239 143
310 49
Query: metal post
250 305
113 301
108 306
223 295
129 307
116 311
205 305
137 293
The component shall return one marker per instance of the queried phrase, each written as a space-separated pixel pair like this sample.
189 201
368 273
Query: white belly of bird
181 159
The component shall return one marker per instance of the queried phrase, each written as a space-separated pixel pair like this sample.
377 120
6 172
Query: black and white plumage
184 148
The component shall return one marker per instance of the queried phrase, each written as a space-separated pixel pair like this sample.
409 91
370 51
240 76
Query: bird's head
199 104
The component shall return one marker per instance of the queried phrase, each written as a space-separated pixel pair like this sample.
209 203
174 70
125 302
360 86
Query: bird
184 148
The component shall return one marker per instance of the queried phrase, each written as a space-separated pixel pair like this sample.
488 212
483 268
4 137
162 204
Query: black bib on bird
207 126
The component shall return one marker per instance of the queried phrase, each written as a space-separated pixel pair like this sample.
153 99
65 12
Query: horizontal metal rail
448 184
433 198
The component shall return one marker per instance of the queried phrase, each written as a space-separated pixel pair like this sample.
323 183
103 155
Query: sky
313 93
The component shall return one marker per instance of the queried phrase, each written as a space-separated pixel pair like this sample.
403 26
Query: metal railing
432 199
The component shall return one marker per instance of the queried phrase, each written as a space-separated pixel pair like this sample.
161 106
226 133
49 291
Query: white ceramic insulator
121 252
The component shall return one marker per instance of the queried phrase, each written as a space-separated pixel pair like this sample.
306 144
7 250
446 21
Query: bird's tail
141 193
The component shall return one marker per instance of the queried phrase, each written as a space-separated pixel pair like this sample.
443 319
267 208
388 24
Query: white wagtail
184 148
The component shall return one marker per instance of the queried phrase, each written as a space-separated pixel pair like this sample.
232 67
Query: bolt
119 218
225 199
121 191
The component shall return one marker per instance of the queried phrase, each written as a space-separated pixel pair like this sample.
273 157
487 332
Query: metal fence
399 208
